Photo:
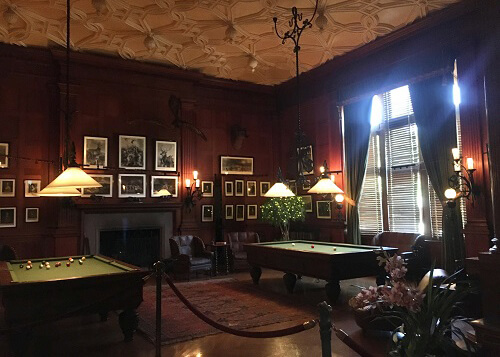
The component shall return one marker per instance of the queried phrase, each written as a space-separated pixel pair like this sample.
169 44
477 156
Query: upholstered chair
189 255
237 253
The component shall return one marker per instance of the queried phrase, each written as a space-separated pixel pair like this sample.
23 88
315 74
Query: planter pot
370 319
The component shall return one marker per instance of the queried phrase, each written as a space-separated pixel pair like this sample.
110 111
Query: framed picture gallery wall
166 156
132 152
131 185
95 152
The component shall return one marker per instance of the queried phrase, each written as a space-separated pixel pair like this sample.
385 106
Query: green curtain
432 101
356 141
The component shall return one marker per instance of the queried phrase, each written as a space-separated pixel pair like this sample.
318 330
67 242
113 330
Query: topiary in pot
280 211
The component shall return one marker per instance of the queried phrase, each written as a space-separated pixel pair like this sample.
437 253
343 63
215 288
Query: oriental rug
239 305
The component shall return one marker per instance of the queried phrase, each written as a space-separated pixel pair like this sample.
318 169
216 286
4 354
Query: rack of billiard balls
46 265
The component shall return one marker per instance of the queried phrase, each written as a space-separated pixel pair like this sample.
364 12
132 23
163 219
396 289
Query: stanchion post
159 268
325 329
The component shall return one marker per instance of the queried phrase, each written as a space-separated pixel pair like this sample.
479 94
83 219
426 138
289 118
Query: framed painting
264 187
166 156
32 187
7 188
95 152
308 203
307 151
306 186
7 217
324 209
132 152
239 188
131 185
240 213
251 188
207 213
251 211
229 211
31 215
171 183
105 191
229 188
4 155
207 188
292 185
236 165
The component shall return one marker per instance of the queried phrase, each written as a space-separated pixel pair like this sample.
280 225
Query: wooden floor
87 336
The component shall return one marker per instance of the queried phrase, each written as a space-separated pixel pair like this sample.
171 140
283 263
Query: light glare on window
377 109
456 95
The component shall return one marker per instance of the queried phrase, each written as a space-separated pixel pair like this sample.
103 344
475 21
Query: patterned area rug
235 304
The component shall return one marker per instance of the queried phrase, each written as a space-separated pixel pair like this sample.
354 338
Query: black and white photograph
7 217
264 187
307 151
229 188
251 211
31 215
32 187
240 212
308 203
158 183
207 188
234 165
105 191
7 188
324 209
251 188
229 211
207 213
4 151
131 185
166 156
239 189
132 152
95 152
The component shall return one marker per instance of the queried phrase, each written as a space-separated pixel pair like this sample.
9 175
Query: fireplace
133 237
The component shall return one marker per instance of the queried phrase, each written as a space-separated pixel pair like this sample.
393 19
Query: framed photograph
171 183
32 187
292 185
131 185
7 217
251 211
229 211
236 165
4 152
308 154
306 185
95 152
324 209
105 191
166 156
207 187
240 212
7 187
229 188
132 152
239 189
308 201
207 213
264 187
31 215
251 188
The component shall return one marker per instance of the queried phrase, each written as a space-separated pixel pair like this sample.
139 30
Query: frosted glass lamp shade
74 177
325 185
164 192
59 192
279 189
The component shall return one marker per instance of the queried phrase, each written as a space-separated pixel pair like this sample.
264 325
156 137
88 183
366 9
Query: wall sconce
193 191
462 181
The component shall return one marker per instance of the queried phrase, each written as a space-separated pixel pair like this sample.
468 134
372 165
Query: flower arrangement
420 316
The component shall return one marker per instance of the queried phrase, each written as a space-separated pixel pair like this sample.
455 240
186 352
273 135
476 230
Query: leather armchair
189 255
237 254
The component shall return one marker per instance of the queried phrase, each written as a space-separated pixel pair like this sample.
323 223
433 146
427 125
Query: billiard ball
41 266
43 262
29 262
312 246
293 244
70 260
21 266
28 267
47 266
83 258
334 249
68 264
80 262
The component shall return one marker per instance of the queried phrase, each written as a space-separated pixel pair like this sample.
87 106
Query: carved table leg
332 289
289 280
255 273
128 322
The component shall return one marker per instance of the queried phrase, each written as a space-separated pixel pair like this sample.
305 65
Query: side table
220 248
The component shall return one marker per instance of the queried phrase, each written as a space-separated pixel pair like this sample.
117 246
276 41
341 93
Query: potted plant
281 211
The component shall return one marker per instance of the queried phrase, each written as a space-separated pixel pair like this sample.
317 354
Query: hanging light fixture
326 183
73 177
279 189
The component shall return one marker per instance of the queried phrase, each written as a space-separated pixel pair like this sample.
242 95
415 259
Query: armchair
237 254
189 255
7 253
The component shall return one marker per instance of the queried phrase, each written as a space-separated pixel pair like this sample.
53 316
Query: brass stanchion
159 267
325 329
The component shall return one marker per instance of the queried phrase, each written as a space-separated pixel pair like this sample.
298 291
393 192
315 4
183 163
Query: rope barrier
251 334
344 337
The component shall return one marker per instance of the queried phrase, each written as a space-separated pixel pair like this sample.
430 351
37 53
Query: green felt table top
320 247
92 266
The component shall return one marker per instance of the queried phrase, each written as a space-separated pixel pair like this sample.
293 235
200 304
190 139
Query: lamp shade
325 185
279 189
74 177
59 192
164 192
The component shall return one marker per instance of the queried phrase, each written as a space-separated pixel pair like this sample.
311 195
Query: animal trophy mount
176 108
238 135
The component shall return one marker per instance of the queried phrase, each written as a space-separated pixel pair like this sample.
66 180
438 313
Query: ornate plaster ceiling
232 39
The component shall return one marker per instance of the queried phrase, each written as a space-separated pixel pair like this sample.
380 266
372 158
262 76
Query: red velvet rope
344 337
252 334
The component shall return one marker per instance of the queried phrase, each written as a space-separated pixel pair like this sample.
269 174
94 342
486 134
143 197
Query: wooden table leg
255 273
289 280
129 321
332 289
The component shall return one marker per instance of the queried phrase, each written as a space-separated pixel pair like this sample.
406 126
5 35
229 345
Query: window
397 195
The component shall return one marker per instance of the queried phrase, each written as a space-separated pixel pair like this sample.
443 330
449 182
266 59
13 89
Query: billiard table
97 285
328 261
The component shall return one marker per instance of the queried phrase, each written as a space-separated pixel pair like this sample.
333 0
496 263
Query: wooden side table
220 248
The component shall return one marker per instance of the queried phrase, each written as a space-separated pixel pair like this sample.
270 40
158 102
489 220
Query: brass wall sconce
193 191
462 181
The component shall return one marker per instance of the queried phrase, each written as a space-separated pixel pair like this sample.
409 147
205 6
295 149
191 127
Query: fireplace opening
140 247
